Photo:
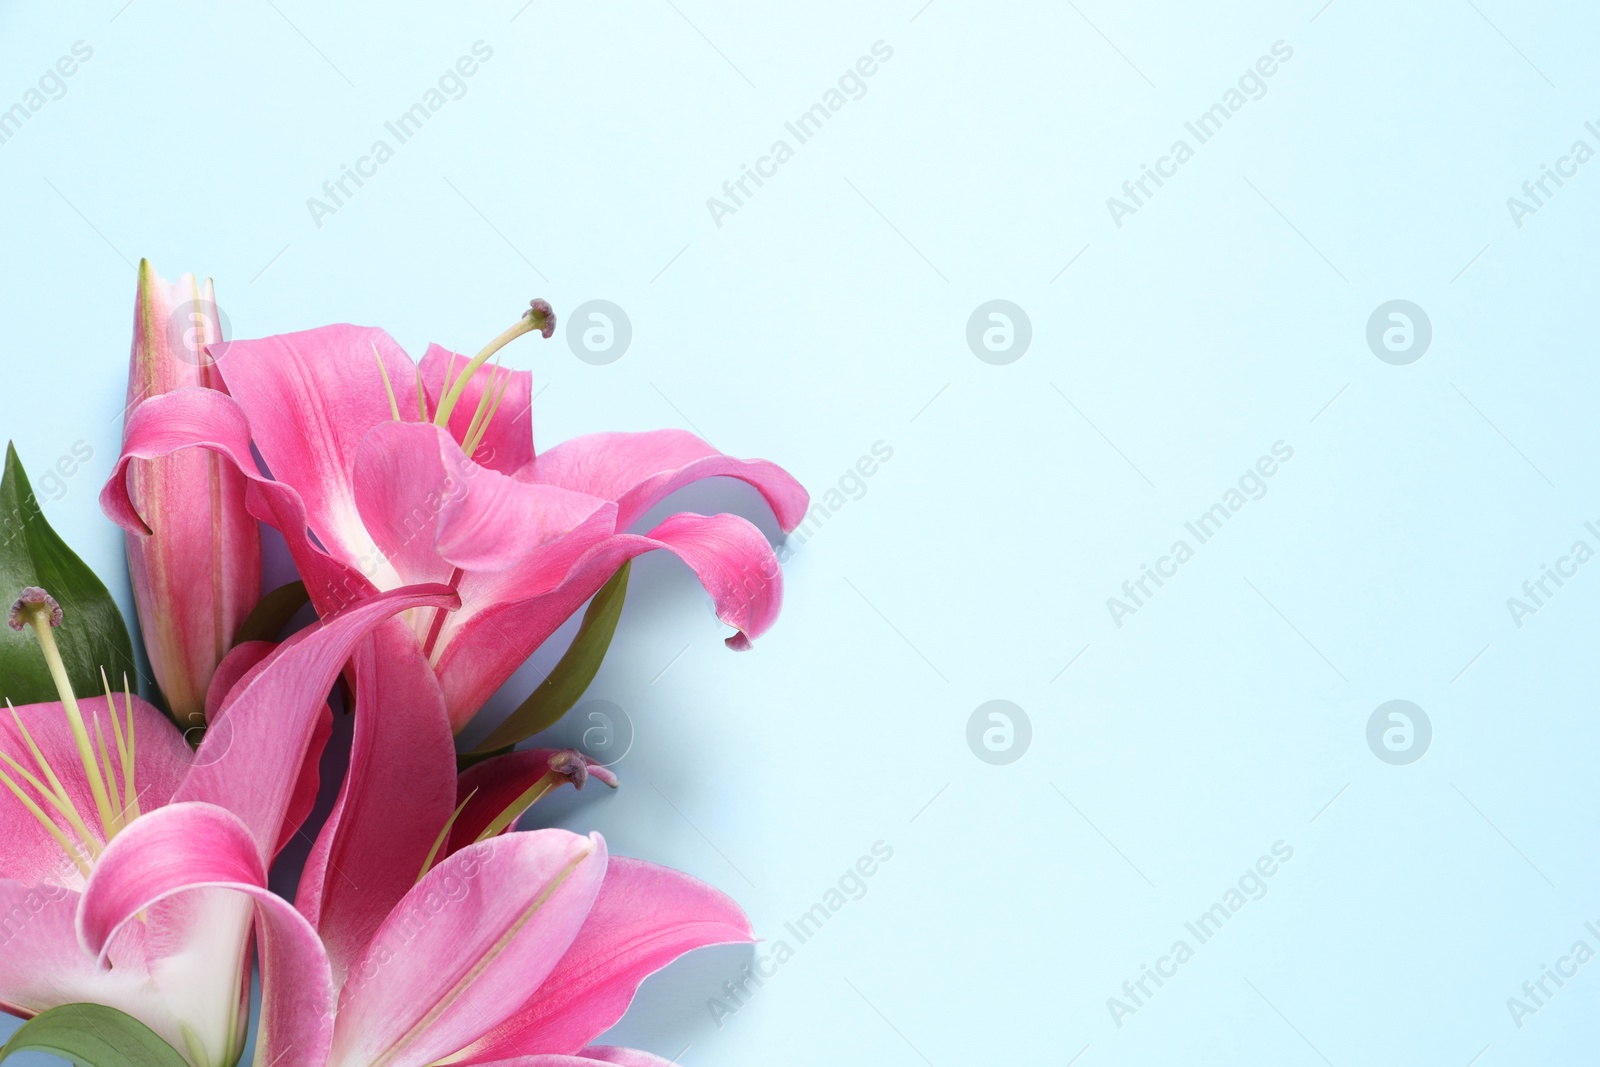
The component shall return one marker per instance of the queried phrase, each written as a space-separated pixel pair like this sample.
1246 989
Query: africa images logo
736 192
1136 192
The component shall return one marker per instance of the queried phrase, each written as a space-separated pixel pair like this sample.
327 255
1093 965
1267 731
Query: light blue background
829 313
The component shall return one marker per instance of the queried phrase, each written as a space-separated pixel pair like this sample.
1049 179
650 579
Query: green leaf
567 682
92 634
93 1035
268 618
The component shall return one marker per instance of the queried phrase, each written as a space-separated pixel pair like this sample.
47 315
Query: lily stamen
539 316
439 615
422 400
57 793
62 807
480 416
388 386
38 609
111 778
444 835
475 438
566 765
45 821
130 801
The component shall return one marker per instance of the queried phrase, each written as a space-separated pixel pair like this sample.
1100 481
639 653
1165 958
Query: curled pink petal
240 661
638 471
210 420
186 847
727 553
44 966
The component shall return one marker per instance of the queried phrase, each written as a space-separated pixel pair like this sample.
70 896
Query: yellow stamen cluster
539 317
388 387
116 801
488 404
450 394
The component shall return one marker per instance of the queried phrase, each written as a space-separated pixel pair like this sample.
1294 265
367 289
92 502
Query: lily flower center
540 316
115 795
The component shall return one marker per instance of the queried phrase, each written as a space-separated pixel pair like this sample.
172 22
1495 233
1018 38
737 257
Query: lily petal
644 918
310 398
240 661
252 766
430 509
638 470
186 847
303 801
205 418
161 760
399 790
507 445
448 963
504 624
43 966
235 667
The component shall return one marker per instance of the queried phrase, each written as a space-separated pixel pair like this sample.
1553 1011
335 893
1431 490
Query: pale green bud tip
34 601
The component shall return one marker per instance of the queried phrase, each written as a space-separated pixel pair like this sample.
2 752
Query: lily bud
197 573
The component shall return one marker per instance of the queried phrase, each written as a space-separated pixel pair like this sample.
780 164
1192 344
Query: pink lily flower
81 779
444 936
517 950
196 566
407 833
385 474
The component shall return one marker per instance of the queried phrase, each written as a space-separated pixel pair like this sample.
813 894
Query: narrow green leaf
92 634
93 1035
571 676
268 618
